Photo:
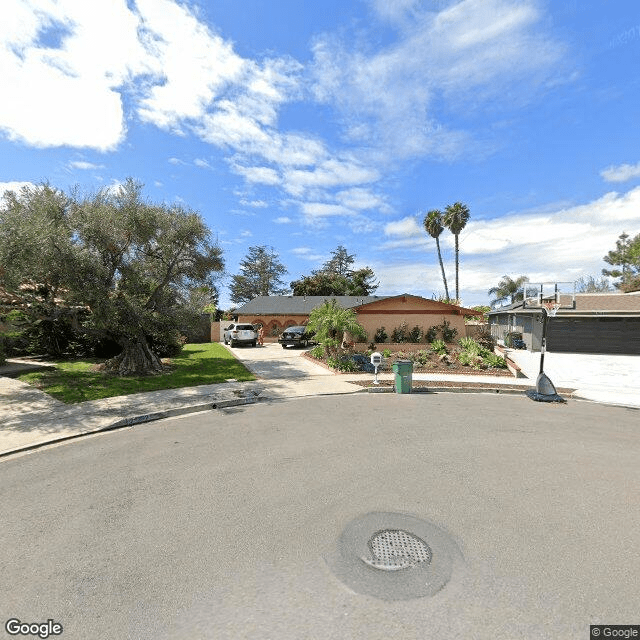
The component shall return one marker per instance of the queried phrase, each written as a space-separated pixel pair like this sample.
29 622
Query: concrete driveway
287 373
228 524
604 378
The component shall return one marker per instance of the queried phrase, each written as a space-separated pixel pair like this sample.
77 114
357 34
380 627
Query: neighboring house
597 323
276 313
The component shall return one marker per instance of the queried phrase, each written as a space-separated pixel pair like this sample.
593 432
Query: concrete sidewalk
30 418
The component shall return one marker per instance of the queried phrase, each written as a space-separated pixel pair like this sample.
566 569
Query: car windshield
244 327
295 329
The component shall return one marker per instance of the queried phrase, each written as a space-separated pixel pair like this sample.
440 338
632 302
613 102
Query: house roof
299 305
304 305
587 304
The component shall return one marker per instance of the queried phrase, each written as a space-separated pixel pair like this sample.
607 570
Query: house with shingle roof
593 323
276 313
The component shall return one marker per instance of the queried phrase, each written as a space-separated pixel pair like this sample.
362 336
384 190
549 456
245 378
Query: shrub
485 338
386 353
449 333
3 358
431 333
464 358
415 334
420 357
342 364
495 361
400 334
440 347
380 335
317 352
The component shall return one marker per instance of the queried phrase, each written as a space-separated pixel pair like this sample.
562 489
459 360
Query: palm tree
330 322
455 219
433 226
508 289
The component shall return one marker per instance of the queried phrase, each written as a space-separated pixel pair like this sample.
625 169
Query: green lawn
73 381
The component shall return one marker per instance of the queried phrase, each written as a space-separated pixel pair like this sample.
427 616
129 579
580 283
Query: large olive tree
112 257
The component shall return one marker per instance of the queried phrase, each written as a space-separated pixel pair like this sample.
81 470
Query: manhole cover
394 549
393 556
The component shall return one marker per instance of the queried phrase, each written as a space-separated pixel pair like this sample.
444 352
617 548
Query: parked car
237 333
296 336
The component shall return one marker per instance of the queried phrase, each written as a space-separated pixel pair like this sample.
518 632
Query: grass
74 381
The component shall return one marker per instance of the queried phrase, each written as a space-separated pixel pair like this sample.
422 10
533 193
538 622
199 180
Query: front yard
80 380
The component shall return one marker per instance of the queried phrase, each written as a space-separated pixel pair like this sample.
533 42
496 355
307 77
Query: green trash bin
403 370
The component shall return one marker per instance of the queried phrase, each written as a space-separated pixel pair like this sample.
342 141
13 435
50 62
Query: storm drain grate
395 549
394 556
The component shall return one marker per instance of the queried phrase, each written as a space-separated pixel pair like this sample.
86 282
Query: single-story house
592 323
276 313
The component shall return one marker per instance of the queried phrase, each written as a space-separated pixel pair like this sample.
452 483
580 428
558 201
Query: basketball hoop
551 307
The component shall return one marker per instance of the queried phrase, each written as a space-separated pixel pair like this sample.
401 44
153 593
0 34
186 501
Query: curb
449 390
135 420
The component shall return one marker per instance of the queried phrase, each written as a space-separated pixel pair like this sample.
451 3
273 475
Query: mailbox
376 359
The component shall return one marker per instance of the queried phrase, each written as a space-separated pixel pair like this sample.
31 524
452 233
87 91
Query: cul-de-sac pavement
305 507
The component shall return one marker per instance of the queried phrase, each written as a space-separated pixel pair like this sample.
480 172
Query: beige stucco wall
391 313
272 323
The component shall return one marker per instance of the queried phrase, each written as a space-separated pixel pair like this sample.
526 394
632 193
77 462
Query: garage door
594 335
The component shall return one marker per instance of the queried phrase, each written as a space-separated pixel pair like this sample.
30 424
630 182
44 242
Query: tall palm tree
455 219
433 226
508 289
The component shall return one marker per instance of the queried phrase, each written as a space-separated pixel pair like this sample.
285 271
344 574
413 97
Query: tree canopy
118 266
626 255
260 275
336 278
508 289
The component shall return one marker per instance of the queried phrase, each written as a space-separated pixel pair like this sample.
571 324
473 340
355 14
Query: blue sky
303 126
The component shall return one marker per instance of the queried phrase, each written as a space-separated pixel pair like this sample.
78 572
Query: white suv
237 333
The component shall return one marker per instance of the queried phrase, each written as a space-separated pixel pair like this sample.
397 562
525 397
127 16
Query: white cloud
81 164
176 161
323 210
329 173
558 245
474 49
85 73
282 220
362 199
260 175
16 187
406 227
203 164
621 173
256 204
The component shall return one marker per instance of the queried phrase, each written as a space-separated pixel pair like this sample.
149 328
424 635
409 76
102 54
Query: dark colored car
299 336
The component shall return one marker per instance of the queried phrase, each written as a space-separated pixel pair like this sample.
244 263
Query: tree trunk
457 288
444 278
136 359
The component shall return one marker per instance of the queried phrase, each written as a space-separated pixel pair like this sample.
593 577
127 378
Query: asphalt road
226 524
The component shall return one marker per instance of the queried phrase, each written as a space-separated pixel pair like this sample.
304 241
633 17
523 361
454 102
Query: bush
415 335
380 335
386 353
343 364
485 338
317 352
420 357
449 333
400 334
440 347
3 357
495 361
431 334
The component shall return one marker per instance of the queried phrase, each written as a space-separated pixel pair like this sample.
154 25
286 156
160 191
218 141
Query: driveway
604 378
228 524
287 373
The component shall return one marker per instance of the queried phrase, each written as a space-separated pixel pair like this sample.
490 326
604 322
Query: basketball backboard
536 294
